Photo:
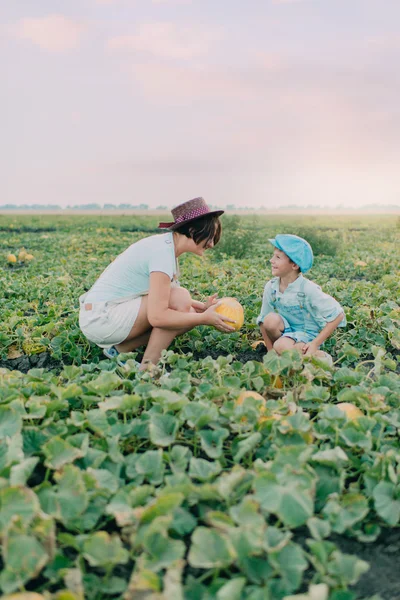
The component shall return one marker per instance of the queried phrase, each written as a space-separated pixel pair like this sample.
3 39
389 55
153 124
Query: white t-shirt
129 273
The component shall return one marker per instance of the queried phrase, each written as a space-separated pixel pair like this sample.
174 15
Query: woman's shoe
111 352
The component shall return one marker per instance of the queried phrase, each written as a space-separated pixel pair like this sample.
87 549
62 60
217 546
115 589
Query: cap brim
275 243
172 226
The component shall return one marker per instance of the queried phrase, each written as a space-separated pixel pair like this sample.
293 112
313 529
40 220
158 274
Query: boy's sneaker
111 352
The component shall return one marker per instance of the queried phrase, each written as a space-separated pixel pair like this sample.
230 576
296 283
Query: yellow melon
11 258
29 257
248 394
352 412
254 345
22 254
231 308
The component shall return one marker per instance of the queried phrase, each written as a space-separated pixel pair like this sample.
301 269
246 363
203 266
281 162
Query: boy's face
281 264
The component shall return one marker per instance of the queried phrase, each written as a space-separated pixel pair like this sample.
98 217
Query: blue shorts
297 336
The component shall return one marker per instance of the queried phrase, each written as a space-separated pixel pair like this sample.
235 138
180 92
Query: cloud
54 33
167 40
167 82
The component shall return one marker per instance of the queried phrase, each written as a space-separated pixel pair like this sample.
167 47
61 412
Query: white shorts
108 323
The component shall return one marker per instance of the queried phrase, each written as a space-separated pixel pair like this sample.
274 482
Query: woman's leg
271 329
157 339
160 338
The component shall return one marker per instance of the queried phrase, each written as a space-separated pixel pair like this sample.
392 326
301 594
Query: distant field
116 485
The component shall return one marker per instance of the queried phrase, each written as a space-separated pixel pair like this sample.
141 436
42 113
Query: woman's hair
205 228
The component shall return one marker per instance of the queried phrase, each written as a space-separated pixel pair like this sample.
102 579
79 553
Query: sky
259 103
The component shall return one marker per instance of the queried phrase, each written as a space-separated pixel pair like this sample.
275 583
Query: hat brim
276 244
172 226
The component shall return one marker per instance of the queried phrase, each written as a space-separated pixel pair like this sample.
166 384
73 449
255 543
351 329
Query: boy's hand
200 307
310 348
211 300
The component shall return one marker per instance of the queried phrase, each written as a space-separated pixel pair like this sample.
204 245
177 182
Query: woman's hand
218 321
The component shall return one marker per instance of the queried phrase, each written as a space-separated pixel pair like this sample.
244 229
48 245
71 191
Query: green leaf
203 470
17 505
346 511
102 550
179 458
25 557
105 480
387 502
58 453
170 401
247 445
212 441
346 568
183 522
150 465
163 429
199 414
247 514
291 564
10 422
232 590
19 474
318 528
319 591
292 504
333 457
210 549
162 550
163 505
69 499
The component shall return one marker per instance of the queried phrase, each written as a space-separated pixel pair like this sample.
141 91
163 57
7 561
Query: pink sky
263 103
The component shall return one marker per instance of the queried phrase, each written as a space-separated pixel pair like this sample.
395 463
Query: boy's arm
267 305
323 335
325 306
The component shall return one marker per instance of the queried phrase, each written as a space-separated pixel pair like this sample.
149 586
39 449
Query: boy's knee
283 343
273 322
180 299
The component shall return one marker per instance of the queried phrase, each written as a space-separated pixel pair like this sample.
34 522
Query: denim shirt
303 305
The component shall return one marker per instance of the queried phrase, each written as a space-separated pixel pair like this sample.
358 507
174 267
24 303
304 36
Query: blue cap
296 248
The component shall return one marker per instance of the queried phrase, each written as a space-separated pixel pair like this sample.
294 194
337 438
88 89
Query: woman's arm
323 335
160 315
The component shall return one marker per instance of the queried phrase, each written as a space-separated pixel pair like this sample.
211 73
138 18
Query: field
114 484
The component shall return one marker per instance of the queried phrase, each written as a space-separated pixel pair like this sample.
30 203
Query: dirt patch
24 363
383 576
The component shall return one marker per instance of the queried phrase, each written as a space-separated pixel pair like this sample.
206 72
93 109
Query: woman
138 301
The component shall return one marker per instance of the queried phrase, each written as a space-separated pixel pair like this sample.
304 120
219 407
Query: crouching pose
138 300
295 312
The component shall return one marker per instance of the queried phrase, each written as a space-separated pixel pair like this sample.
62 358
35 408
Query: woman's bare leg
157 339
160 338
130 345
140 332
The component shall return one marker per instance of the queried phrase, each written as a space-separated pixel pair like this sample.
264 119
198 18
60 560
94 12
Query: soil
383 555
23 363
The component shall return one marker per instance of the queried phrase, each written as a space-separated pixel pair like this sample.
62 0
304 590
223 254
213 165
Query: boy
295 312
